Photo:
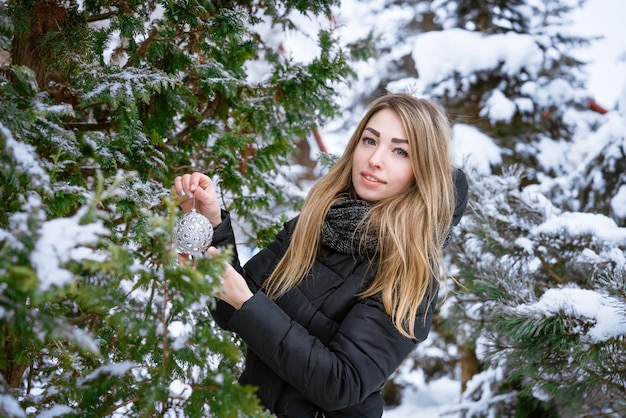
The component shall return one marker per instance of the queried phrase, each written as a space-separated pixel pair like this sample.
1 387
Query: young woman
347 289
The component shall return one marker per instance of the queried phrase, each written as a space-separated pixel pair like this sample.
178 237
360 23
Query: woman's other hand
199 185
235 290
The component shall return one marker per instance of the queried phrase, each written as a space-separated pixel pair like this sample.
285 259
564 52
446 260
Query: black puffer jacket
319 351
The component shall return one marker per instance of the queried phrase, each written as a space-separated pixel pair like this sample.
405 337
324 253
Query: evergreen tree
102 104
544 302
593 178
540 93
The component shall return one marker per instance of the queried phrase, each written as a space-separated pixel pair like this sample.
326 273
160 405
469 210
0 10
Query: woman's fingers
234 290
178 188
183 258
199 181
199 186
188 184
185 182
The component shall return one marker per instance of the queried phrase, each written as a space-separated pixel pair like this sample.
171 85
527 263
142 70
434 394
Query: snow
82 339
618 203
61 240
439 53
499 108
587 305
578 223
25 157
113 369
56 411
607 56
427 399
180 390
10 405
180 332
474 150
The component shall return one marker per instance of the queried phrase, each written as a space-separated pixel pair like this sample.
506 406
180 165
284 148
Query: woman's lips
371 179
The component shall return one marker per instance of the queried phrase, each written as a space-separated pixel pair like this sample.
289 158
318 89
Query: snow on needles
25 158
474 150
438 54
602 311
113 369
577 223
61 240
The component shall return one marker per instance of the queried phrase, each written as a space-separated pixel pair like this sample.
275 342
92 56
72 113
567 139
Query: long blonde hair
411 226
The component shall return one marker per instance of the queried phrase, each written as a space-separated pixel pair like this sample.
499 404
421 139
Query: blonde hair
411 226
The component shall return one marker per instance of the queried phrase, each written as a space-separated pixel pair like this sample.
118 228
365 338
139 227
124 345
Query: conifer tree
544 300
542 93
102 104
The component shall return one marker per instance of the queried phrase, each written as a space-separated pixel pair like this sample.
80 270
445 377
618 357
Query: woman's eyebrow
372 130
399 140
394 140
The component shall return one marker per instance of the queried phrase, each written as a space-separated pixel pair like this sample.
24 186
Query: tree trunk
12 369
469 365
46 16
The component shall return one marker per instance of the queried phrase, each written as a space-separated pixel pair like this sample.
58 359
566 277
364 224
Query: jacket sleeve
223 237
353 364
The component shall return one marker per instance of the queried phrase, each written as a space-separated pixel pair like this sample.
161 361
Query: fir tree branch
83 319
102 16
164 323
121 405
209 110
551 272
88 127
143 48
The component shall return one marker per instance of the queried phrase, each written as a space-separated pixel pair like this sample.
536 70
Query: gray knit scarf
341 230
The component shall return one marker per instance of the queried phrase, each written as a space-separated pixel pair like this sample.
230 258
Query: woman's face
381 166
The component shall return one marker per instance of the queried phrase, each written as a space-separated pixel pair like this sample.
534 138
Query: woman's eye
401 152
368 141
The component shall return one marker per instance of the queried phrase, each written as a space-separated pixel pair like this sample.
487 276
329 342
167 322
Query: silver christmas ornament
193 233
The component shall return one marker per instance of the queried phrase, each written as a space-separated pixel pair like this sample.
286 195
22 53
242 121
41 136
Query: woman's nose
376 159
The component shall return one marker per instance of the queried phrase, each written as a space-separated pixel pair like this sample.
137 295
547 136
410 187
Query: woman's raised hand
200 186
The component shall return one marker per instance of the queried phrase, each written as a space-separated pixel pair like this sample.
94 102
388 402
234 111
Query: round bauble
193 234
